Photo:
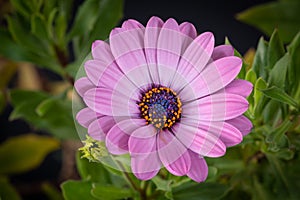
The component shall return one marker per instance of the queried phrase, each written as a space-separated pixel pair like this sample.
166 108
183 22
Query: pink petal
142 140
198 140
86 116
169 50
114 79
146 167
118 136
100 127
222 51
214 77
132 24
127 47
229 134
216 107
240 87
199 170
199 51
94 70
242 123
82 85
150 41
173 154
101 51
193 60
190 31
112 103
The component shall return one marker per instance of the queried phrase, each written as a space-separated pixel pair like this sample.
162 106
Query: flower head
165 96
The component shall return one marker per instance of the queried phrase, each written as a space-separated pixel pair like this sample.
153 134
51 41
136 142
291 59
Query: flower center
161 107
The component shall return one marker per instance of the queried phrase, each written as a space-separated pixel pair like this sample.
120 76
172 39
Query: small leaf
7 191
161 184
278 73
260 59
251 76
110 192
23 153
279 95
259 100
283 15
77 190
275 50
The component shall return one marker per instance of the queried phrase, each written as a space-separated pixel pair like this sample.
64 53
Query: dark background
217 16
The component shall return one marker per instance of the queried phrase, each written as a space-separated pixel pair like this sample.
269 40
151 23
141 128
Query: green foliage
110 192
283 15
77 190
205 191
38 31
41 110
25 152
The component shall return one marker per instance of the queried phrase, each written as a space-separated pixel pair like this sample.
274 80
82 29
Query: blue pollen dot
161 107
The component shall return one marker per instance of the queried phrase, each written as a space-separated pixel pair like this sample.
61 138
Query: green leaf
259 85
85 18
39 26
203 191
77 190
276 137
285 154
277 75
40 110
61 29
260 59
21 7
23 153
161 184
11 49
22 37
279 95
242 73
283 15
36 50
7 191
110 13
92 171
275 50
110 192
251 76
294 69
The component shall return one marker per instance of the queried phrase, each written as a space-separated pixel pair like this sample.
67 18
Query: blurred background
42 44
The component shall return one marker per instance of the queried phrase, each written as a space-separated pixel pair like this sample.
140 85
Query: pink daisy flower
164 95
